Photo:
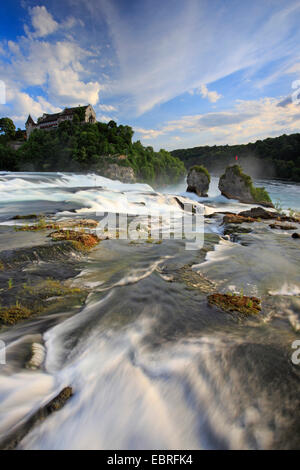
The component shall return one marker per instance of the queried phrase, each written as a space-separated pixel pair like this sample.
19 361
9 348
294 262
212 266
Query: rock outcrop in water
235 184
125 174
198 180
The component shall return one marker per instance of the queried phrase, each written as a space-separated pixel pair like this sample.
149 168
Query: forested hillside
74 146
277 157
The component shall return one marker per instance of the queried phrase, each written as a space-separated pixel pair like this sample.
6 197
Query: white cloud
246 121
67 88
105 118
212 96
58 68
42 22
23 104
294 68
107 107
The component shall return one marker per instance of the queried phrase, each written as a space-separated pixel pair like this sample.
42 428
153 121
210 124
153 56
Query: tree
7 127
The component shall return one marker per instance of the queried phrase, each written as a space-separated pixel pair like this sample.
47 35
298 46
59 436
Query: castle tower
29 125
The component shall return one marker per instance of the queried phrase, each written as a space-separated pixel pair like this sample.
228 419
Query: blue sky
182 73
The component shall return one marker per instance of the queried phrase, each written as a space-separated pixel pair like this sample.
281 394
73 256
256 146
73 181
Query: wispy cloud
246 121
192 44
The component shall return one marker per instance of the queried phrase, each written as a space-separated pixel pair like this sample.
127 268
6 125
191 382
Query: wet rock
282 226
191 278
234 184
198 180
12 440
59 401
25 217
21 256
232 229
72 223
236 303
259 213
296 235
237 219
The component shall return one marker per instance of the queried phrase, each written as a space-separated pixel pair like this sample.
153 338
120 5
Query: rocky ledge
125 174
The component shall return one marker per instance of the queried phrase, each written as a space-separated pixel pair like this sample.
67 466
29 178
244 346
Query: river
152 365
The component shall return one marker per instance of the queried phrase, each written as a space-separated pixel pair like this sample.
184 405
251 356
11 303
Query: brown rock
282 226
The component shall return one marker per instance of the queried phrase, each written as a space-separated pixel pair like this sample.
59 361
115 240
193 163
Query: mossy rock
201 169
234 184
236 303
198 180
14 314
192 279
84 240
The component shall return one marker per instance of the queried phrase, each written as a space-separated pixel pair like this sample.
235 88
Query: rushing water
151 364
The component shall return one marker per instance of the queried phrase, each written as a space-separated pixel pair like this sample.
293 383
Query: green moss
83 240
11 315
260 194
236 303
201 169
50 288
40 225
1 266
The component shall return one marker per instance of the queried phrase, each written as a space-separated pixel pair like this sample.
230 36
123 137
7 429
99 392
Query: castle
51 121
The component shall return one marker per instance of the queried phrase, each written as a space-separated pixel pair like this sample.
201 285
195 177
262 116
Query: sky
182 73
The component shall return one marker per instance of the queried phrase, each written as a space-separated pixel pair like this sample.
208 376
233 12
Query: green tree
7 127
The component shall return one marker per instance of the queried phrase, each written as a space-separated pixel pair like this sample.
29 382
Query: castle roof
65 112
49 118
73 110
30 120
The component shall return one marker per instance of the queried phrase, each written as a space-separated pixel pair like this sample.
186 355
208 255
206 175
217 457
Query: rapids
152 365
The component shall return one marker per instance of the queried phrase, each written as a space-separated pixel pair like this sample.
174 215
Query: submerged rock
25 217
71 223
198 180
236 303
296 235
282 226
12 440
59 401
237 219
192 279
235 184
